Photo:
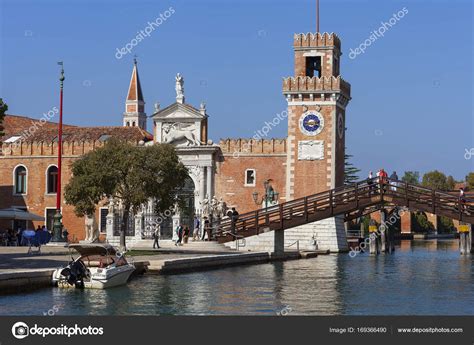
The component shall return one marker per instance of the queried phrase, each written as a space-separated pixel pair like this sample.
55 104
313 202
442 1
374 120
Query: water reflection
422 277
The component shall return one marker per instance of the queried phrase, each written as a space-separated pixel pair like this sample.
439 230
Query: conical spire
134 104
135 89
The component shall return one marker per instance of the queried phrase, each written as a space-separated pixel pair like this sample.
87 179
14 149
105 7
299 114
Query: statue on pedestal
222 207
179 88
92 232
205 206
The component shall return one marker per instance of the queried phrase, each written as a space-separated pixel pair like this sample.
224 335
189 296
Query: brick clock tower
317 97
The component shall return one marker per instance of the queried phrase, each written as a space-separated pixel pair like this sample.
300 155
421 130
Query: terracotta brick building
309 160
28 167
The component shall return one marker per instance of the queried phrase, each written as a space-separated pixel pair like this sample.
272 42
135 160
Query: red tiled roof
48 132
79 134
15 124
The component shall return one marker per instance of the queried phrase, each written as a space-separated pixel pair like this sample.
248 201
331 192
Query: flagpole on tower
317 15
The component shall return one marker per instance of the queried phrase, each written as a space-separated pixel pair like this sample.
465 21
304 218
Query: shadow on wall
7 200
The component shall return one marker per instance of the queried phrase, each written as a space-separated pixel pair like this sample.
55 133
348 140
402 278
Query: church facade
239 172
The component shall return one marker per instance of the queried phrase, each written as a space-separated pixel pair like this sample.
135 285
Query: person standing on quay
206 228
156 237
196 223
179 232
186 234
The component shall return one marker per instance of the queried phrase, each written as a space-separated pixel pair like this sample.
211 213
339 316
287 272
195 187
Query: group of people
183 232
10 237
382 179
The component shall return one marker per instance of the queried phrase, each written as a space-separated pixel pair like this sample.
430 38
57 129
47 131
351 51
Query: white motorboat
99 266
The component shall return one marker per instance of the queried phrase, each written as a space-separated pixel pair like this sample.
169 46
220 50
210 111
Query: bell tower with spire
134 115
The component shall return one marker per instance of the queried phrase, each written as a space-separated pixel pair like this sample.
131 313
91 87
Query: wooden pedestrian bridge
351 201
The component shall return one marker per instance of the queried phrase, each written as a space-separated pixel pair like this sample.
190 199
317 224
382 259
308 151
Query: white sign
310 150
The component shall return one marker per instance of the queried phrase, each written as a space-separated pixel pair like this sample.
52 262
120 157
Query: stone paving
14 259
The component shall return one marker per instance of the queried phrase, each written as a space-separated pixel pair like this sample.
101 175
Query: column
202 184
209 181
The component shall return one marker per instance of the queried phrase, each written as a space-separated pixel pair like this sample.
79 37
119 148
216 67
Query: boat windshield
102 261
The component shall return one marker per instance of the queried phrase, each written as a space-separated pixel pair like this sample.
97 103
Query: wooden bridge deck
352 201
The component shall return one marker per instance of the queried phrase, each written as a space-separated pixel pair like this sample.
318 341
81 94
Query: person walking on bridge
382 179
370 182
393 181
462 199
234 218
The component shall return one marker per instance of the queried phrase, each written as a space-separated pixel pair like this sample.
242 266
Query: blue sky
412 91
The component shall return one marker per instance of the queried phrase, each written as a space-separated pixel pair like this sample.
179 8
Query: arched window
20 180
52 180
133 124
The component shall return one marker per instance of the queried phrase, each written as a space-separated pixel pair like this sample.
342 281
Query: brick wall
37 157
230 178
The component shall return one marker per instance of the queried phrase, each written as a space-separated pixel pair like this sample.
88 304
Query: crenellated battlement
308 84
314 40
34 148
252 146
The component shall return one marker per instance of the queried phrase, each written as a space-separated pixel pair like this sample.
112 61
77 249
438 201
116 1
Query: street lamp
270 194
57 218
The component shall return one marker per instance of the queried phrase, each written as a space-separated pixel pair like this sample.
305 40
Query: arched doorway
186 211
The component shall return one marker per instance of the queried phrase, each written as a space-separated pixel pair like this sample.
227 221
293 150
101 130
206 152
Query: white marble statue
222 207
111 205
179 87
214 205
173 133
92 233
205 206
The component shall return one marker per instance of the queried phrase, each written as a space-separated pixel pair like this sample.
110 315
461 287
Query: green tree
412 177
445 225
435 180
470 181
3 110
351 173
421 223
127 173
451 182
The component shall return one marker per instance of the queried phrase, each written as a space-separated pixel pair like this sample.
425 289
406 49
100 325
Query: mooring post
383 231
465 240
373 239
471 239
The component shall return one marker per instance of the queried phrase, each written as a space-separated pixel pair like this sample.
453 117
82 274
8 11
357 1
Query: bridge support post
465 239
383 229
373 240
471 239
279 242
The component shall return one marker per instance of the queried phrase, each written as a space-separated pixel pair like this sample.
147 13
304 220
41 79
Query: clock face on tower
311 123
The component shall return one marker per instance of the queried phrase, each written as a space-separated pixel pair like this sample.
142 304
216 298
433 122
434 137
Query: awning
17 214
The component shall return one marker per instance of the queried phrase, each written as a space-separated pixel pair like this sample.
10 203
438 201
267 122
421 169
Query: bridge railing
352 195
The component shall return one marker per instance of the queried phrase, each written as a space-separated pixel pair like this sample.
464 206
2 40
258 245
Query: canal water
420 278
